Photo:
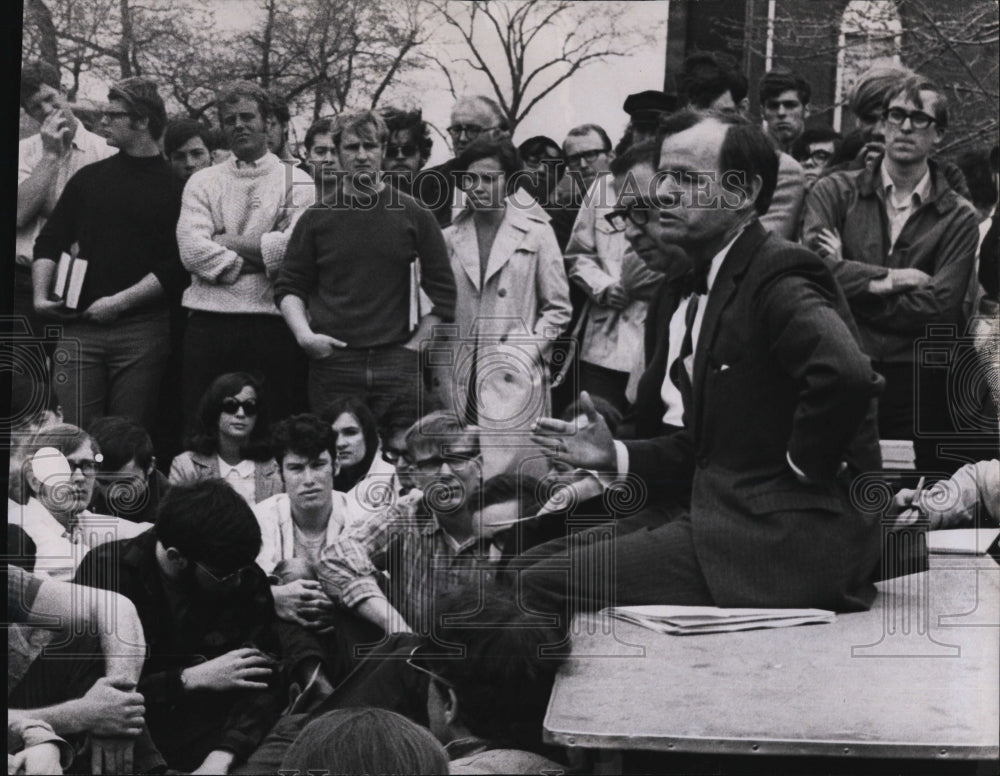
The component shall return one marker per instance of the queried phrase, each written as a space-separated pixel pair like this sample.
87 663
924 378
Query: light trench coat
507 323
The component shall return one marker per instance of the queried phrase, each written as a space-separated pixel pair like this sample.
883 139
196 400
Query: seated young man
481 682
428 547
73 660
212 691
128 483
296 527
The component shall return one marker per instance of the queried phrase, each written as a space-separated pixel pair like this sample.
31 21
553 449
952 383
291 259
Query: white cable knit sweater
262 198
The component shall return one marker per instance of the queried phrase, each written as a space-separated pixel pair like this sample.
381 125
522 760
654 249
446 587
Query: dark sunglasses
401 151
229 580
231 406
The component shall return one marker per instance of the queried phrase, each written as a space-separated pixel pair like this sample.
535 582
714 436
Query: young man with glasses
435 543
814 150
121 213
902 243
211 687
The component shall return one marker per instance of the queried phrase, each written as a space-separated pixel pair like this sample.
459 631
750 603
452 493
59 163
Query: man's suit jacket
777 370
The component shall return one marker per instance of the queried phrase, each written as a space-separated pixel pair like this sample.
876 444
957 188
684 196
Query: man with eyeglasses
437 543
120 214
210 683
814 150
471 117
902 243
617 283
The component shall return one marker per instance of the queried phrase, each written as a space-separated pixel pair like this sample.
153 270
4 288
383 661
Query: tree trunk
36 13
127 41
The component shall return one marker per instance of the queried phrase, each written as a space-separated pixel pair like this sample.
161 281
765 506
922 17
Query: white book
62 275
962 541
686 620
77 272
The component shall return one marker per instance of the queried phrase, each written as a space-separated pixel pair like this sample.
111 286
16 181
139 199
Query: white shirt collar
244 469
717 260
922 191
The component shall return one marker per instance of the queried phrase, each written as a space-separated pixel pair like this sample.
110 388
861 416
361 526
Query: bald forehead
695 149
472 110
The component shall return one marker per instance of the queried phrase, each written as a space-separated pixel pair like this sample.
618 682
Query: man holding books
121 213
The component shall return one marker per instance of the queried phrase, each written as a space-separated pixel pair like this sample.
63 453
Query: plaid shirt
420 560
204 630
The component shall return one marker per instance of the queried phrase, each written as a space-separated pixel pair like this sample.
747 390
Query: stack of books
70 273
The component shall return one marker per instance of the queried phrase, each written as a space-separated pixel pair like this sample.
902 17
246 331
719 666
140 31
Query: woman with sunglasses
59 473
229 440
513 295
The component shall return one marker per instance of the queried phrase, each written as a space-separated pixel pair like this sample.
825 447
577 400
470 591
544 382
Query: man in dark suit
779 413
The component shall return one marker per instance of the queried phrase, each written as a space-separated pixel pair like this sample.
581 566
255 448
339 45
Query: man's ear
743 106
451 707
175 557
32 481
805 111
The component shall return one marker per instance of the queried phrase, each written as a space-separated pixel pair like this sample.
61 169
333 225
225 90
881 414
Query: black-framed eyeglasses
472 131
231 406
87 466
111 115
918 119
401 151
457 462
638 213
820 156
412 662
584 156
395 457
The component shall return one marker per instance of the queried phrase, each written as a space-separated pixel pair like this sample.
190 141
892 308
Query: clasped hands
304 602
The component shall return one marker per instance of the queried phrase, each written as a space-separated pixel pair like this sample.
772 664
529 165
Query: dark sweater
351 265
123 212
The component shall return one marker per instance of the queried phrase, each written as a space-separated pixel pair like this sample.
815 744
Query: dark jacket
777 371
186 726
940 238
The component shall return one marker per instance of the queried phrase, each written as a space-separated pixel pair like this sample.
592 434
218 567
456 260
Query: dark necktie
686 346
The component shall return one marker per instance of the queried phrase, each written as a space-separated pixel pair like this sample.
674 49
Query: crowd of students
317 470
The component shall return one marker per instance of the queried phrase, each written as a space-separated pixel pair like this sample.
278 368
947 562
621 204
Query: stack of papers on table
688 620
962 541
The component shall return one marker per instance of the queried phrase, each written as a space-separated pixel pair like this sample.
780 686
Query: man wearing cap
121 212
644 110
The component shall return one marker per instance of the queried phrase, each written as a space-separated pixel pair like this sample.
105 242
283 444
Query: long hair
204 436
352 405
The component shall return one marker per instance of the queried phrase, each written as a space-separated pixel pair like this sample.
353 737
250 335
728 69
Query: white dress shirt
58 550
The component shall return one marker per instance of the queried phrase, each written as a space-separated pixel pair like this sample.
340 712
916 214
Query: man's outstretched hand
577 446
